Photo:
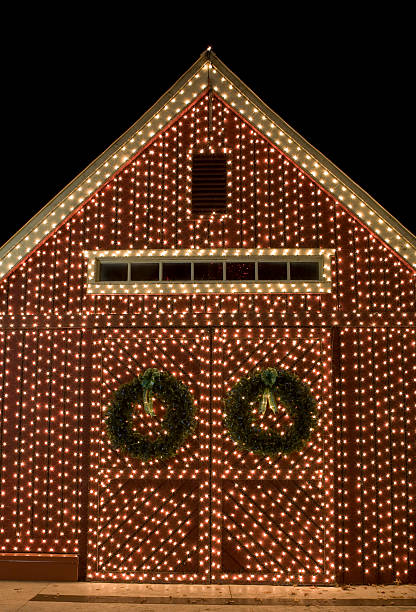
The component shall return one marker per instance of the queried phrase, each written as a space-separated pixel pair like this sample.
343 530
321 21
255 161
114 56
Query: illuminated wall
355 346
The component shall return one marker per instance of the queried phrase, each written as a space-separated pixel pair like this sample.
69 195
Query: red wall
273 204
47 319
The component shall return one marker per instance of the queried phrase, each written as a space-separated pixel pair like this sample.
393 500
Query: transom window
210 271
182 271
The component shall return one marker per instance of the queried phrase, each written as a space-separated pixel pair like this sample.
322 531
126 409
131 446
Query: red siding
273 204
42 412
51 391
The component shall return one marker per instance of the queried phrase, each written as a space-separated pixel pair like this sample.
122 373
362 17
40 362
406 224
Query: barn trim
174 102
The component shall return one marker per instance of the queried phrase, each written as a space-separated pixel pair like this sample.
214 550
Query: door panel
272 527
151 519
270 524
150 535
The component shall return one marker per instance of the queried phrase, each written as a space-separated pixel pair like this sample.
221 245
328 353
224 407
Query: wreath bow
149 378
268 378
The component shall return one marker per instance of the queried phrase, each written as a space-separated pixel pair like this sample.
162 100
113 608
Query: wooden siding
271 203
57 372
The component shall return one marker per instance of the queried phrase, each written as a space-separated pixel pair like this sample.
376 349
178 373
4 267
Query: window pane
240 270
176 271
272 270
145 271
113 271
304 270
208 271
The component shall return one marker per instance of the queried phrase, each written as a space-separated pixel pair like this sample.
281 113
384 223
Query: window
240 270
209 183
210 271
176 271
173 271
113 271
304 270
272 270
207 271
144 271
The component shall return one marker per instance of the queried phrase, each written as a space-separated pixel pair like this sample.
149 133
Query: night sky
73 87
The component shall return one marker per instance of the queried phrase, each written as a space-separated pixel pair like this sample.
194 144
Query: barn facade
209 241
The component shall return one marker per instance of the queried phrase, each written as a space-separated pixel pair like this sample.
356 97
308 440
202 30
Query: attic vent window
209 183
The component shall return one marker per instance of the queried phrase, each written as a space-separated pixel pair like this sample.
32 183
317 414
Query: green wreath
177 424
262 386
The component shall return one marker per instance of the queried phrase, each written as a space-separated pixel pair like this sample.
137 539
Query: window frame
96 286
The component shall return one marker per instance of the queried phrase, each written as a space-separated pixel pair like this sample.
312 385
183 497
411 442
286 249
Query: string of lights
340 510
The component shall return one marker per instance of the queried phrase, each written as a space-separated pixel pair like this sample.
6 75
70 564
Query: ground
93 597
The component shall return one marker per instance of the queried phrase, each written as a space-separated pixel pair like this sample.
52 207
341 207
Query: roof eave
101 159
332 168
185 90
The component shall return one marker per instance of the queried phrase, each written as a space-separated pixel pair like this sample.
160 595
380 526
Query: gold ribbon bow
268 377
150 376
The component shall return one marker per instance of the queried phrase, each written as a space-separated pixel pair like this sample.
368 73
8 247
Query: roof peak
251 108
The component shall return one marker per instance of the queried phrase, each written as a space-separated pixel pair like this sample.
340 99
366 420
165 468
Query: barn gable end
271 204
209 72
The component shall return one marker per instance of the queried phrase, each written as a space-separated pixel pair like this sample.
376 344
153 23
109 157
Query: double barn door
213 513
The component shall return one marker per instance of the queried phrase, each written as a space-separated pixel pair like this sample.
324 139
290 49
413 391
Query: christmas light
342 509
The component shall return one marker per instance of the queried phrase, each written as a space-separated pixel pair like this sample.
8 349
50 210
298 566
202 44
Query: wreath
177 424
262 387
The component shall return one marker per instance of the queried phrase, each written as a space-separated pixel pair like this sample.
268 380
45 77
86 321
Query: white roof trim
171 104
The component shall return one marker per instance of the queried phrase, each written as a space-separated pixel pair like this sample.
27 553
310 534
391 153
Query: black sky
74 84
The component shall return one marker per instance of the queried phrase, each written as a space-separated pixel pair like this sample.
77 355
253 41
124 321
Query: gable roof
209 70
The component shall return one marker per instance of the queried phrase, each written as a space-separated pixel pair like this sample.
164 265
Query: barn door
270 517
151 521
212 513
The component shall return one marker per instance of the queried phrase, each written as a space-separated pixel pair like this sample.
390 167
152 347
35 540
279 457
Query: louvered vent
209 183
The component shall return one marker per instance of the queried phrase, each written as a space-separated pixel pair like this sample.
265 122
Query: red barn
210 241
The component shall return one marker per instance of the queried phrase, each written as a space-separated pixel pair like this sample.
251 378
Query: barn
210 247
